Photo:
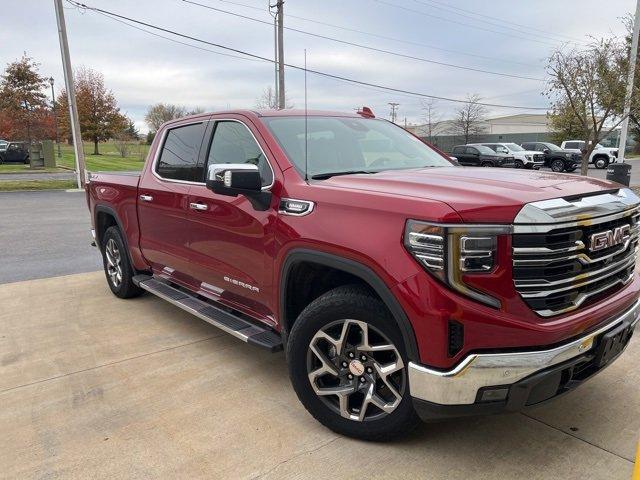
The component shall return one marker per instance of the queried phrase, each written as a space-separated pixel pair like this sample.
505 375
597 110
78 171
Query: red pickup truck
399 284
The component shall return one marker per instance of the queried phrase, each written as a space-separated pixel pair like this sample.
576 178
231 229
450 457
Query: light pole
55 115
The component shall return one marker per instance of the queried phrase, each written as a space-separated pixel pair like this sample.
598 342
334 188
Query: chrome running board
261 336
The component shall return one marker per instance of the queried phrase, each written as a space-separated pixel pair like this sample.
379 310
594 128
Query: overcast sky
501 36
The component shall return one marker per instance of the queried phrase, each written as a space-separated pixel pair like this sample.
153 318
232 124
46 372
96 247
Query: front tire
557 165
117 267
486 164
348 365
519 164
601 162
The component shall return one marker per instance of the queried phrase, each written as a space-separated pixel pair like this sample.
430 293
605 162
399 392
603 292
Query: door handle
199 206
146 198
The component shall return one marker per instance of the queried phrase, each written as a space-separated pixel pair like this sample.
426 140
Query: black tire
120 283
519 164
557 165
486 164
350 304
601 162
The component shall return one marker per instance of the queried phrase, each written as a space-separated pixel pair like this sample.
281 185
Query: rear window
179 156
573 145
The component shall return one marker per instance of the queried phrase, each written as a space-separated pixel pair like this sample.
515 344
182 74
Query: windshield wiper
324 176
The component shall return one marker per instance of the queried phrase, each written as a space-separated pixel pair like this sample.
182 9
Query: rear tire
328 351
117 267
557 165
486 164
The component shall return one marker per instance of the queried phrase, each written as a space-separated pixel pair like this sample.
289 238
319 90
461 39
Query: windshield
552 147
338 144
514 147
484 150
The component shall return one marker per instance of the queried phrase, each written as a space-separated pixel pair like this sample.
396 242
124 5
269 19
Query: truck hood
483 195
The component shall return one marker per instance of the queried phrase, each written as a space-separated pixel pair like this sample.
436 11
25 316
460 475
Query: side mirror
235 179
546 150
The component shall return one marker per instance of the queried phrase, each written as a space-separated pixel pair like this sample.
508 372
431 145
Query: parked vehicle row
600 157
557 159
399 283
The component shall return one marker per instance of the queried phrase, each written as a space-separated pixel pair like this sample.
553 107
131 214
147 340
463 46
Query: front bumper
494 382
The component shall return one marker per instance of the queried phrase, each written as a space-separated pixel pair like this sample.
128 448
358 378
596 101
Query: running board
238 327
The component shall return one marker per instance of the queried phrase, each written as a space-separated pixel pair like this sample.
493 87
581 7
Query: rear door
472 156
163 201
231 242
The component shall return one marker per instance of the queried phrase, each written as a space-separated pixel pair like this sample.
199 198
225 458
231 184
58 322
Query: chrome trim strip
461 384
208 120
560 210
612 268
579 245
543 228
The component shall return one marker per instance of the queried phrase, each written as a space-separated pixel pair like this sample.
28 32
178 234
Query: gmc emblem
609 238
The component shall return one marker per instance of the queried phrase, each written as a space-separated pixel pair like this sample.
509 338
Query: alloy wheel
114 262
355 370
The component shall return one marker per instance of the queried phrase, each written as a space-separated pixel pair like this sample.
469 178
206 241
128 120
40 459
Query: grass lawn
20 168
10 185
109 158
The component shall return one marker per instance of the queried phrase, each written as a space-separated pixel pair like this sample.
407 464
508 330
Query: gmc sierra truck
399 284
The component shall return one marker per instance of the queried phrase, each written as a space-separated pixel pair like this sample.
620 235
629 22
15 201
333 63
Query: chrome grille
554 268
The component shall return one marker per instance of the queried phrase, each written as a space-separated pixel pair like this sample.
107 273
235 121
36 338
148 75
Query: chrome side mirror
235 179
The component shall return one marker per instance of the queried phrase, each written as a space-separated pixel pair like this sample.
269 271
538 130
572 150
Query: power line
420 12
295 67
470 14
383 37
367 47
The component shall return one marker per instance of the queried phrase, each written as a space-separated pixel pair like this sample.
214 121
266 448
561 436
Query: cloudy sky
502 36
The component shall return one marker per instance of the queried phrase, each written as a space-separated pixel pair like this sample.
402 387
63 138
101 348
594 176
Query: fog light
493 394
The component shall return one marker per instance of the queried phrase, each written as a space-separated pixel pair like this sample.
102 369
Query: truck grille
555 271
538 158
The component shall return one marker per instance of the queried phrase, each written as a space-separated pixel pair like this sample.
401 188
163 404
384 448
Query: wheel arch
355 269
106 217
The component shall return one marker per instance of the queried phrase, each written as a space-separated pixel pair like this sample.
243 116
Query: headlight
451 252
529 157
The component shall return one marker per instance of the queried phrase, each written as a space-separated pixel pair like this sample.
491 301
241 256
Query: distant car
557 159
601 156
15 152
481 156
522 158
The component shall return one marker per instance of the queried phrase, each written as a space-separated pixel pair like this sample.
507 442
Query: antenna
306 130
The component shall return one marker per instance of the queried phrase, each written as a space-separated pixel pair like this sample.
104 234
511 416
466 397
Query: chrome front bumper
460 386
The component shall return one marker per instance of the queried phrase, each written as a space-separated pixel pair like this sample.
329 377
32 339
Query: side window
458 150
233 143
495 148
573 145
529 146
179 154
472 151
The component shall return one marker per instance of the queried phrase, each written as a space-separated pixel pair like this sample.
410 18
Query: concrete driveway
96 387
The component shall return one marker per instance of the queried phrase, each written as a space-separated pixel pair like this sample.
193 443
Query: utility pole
71 94
55 115
273 103
280 20
622 143
394 107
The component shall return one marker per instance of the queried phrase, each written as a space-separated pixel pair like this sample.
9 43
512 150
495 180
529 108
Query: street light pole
55 115
622 143
71 94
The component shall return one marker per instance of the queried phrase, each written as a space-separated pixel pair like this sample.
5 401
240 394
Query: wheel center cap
356 367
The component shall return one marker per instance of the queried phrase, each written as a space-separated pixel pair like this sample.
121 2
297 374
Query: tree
23 105
268 100
564 124
470 118
588 87
100 117
131 130
163 112
431 117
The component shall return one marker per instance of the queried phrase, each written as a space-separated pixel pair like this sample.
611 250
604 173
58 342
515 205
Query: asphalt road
45 234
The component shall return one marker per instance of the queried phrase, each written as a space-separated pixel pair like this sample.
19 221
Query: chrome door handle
146 198
199 206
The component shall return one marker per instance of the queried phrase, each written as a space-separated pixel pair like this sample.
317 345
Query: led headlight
529 157
449 252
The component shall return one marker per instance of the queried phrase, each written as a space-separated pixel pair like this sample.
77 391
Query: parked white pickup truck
601 156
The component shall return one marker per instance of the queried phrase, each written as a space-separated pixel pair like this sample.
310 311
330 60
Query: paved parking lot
96 387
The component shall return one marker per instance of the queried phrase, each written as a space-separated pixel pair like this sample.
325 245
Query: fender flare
110 211
359 270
